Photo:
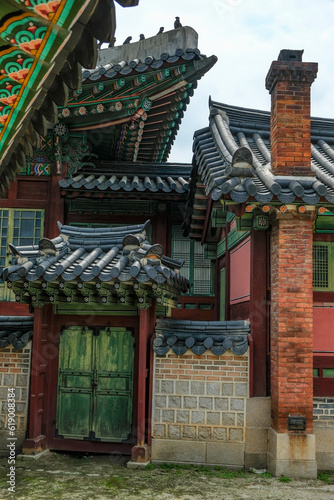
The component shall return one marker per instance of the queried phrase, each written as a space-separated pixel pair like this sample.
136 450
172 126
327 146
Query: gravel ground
102 477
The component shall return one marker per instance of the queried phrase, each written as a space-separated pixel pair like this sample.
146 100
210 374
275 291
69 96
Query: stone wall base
4 435
324 447
198 452
257 425
292 455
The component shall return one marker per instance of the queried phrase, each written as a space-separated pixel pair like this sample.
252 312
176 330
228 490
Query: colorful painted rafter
135 107
36 39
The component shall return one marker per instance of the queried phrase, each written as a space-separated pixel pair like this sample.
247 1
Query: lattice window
20 227
3 240
321 265
197 269
27 225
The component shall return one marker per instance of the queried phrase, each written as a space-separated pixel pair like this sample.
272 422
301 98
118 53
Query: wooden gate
95 382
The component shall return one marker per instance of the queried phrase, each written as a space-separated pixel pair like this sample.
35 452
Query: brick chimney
289 82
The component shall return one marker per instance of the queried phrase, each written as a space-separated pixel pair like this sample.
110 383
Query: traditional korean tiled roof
199 336
102 265
231 128
43 44
131 108
127 177
125 68
15 330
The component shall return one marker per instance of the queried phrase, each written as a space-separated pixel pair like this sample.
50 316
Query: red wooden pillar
140 452
56 207
258 311
36 441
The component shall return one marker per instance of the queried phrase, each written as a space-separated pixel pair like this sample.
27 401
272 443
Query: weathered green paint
96 309
95 382
324 223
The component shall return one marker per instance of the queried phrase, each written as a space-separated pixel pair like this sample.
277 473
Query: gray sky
245 35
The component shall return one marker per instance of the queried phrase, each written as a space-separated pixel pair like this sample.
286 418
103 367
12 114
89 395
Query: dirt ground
102 477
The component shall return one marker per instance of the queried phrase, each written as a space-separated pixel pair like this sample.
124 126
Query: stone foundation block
292 455
226 454
164 450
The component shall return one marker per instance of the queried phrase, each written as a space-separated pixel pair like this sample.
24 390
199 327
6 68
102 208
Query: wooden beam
144 324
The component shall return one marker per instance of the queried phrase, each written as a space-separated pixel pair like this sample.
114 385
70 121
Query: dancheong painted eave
43 46
231 128
131 105
96 266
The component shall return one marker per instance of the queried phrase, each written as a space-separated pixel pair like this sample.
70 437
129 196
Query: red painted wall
240 273
323 330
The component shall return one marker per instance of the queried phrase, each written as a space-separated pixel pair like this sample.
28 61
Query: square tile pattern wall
14 373
200 397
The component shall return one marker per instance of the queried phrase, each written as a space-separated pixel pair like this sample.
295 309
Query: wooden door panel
95 384
77 349
75 377
114 369
81 380
111 421
74 415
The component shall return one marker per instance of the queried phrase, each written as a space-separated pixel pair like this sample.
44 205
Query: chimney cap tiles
290 67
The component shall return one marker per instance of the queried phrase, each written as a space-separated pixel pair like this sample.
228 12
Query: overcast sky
245 35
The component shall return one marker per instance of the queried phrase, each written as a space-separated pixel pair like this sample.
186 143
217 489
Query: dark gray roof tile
101 254
16 331
168 177
232 127
199 336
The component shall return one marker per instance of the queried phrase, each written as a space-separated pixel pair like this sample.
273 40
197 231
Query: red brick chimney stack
289 82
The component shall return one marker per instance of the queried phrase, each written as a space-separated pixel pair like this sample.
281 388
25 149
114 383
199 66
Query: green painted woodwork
234 238
210 251
102 309
62 12
125 105
109 296
221 248
218 217
95 384
30 42
324 223
261 222
244 223
323 266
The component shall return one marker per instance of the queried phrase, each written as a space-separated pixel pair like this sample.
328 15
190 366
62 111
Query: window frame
5 293
323 386
330 265
192 254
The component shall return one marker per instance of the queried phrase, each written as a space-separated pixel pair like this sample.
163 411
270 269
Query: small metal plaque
296 423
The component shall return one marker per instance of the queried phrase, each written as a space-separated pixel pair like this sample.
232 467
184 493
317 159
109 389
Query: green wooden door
95 382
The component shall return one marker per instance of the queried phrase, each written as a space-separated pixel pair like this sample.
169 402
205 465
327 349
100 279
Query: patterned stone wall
14 373
199 399
323 423
323 412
